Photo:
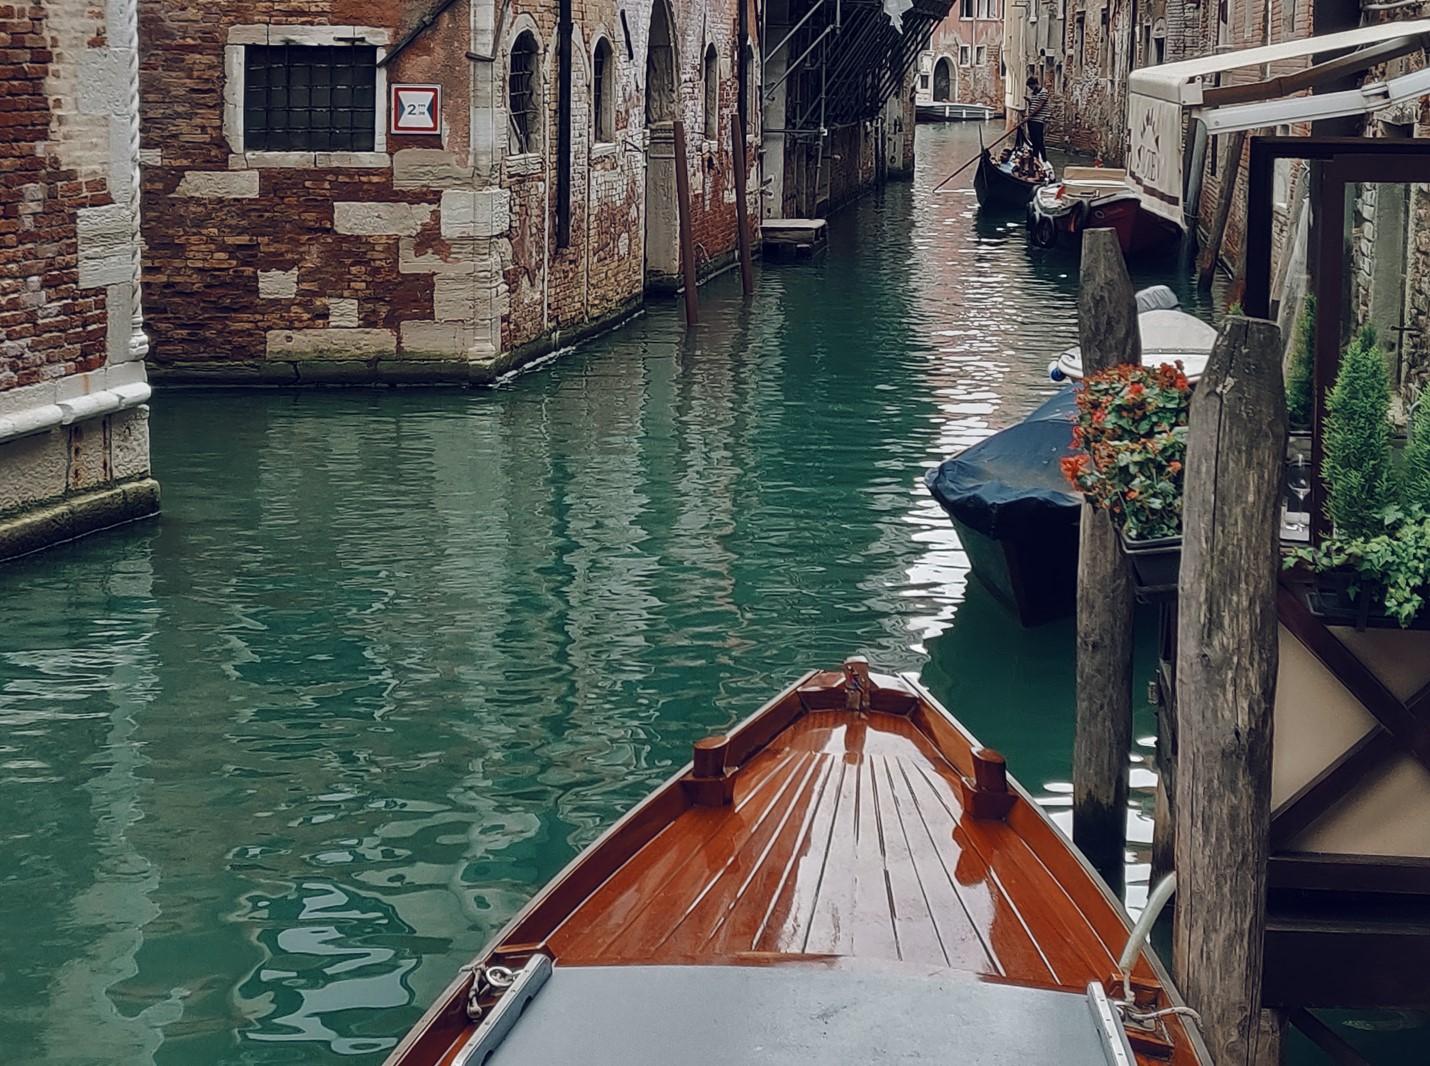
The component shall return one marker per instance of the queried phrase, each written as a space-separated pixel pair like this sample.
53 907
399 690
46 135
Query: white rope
138 342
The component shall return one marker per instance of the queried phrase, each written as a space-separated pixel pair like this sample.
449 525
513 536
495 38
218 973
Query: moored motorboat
998 185
1099 198
1015 513
844 877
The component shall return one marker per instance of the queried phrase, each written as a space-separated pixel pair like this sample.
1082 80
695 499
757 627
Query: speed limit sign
416 109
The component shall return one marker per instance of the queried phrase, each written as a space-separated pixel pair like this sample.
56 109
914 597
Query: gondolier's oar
979 156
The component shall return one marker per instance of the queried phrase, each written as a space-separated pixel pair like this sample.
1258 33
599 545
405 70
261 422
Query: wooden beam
1325 1038
687 242
1102 744
1226 192
1330 786
1410 731
1358 875
1226 682
742 218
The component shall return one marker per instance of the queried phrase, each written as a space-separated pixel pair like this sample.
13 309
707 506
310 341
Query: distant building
74 435
964 60
440 192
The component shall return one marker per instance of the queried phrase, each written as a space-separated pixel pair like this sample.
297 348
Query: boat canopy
1159 95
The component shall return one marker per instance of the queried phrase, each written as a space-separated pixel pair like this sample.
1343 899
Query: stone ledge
417 368
77 516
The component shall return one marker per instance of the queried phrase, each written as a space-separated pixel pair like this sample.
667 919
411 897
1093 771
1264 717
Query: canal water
274 765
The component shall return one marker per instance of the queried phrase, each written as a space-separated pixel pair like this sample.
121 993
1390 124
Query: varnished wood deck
850 823
846 837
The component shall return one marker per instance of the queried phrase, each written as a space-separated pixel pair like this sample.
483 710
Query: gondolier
1037 116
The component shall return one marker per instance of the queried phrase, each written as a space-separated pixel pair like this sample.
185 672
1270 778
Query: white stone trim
43 406
239 37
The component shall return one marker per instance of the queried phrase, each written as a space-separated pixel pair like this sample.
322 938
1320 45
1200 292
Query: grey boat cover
803 1015
1011 484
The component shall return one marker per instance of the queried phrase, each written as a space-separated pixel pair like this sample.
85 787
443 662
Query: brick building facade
293 236
74 441
964 59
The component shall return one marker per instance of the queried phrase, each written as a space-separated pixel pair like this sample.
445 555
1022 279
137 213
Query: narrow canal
274 765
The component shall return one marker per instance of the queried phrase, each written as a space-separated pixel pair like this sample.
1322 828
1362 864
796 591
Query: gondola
846 876
997 187
1099 198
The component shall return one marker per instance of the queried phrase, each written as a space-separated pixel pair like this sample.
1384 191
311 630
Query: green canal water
274 765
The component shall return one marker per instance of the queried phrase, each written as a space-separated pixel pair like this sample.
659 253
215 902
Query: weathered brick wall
1245 27
974 83
1090 104
74 445
51 327
281 269
426 258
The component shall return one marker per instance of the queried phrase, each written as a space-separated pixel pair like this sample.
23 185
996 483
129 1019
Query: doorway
662 258
942 80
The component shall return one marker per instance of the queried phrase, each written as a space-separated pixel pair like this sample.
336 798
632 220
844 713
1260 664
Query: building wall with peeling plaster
430 258
74 441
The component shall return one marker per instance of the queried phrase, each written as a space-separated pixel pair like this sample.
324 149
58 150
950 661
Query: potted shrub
1300 370
1374 569
1132 429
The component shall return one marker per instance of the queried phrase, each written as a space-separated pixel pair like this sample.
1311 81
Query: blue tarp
1011 484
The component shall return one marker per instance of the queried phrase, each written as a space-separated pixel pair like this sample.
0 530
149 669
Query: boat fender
1055 373
1045 234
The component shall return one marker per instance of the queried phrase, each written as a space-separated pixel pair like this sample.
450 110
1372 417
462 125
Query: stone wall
1089 88
430 258
74 448
959 41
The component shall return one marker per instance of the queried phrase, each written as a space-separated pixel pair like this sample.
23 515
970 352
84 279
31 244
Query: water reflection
277 764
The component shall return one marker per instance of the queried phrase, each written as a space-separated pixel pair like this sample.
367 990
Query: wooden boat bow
848 836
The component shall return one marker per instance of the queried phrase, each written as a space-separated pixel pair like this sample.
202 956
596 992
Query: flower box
1155 565
1344 598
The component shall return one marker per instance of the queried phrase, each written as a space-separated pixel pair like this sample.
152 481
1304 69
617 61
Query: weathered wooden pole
1226 193
1226 683
742 219
687 242
1107 331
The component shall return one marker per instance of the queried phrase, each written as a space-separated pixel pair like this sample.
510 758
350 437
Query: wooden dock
792 238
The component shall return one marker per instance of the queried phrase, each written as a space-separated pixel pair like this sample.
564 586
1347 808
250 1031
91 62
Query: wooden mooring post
1102 747
687 242
742 218
1226 685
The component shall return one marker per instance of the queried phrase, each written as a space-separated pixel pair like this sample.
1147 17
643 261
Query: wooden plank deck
846 837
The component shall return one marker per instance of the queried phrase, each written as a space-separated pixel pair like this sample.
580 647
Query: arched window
712 93
524 96
603 96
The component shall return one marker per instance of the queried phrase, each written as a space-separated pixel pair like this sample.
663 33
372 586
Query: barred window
309 98
523 98
712 93
603 102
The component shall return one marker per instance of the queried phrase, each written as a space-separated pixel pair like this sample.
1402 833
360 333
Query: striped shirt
1038 106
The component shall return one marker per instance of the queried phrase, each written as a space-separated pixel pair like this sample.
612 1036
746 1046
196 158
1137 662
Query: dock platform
792 238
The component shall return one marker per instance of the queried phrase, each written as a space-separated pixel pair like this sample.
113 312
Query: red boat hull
1138 230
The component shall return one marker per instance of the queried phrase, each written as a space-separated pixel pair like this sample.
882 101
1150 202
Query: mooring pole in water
1226 685
742 220
1226 192
687 243
1108 333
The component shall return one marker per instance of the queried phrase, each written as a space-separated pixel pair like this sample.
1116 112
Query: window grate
601 99
521 95
306 98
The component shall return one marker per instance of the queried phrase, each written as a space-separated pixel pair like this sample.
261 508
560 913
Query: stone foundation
73 480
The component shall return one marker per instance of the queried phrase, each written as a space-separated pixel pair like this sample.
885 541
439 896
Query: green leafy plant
1415 471
1300 372
1357 466
1132 432
1391 564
